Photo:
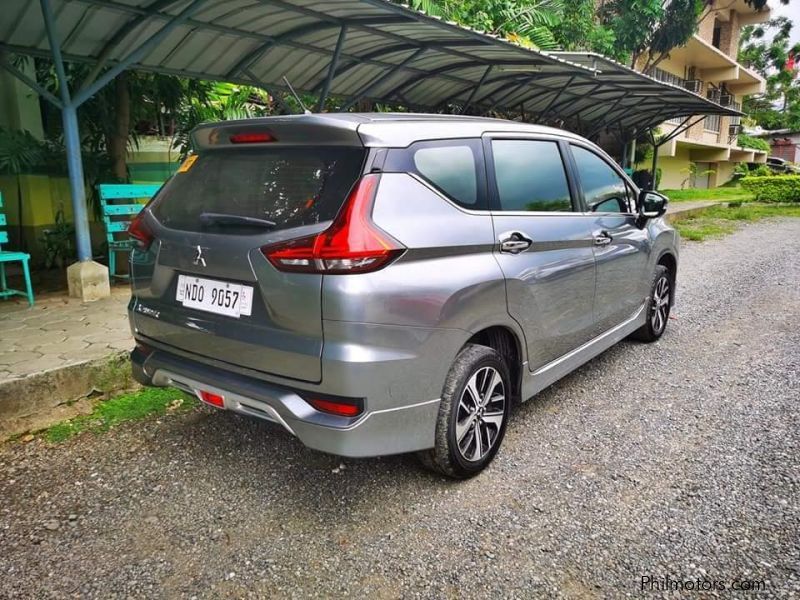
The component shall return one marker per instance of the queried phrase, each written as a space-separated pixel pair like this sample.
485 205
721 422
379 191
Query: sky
792 10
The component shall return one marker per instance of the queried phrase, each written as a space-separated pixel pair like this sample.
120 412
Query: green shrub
746 141
777 188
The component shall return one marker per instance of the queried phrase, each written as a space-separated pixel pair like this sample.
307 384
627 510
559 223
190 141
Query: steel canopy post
72 145
72 142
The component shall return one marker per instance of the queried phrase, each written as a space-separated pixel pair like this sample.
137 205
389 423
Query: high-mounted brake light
251 138
140 232
352 244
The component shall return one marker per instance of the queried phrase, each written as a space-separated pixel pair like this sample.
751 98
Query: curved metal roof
380 51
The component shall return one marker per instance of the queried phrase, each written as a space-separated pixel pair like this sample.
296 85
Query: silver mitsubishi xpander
387 283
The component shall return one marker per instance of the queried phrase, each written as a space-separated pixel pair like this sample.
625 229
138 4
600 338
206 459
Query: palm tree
526 22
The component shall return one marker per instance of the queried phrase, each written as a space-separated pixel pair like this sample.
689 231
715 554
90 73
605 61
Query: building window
712 123
716 36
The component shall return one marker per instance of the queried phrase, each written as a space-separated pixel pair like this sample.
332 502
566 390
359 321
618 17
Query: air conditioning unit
726 99
693 85
734 129
714 95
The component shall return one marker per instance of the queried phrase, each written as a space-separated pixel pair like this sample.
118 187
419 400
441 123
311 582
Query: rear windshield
290 186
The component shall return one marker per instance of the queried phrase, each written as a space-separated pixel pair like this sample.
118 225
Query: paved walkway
60 331
680 207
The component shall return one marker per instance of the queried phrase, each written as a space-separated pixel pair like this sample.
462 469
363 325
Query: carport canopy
354 50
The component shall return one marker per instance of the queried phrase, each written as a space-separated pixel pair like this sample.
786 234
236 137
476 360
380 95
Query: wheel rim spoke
493 418
660 305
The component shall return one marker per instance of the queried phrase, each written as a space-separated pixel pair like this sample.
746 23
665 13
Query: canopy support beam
381 80
475 90
326 88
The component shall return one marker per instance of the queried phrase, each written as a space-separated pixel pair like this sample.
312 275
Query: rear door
544 245
205 288
621 246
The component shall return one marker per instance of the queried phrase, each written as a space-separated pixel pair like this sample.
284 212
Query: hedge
778 188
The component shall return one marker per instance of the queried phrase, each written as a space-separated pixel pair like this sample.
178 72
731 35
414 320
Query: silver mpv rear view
388 283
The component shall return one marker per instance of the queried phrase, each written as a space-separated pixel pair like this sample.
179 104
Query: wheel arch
669 260
506 341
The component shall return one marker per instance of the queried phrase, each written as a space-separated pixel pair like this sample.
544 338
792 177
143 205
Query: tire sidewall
661 271
489 359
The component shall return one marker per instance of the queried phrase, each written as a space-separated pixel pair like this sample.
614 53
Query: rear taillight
352 244
139 231
334 405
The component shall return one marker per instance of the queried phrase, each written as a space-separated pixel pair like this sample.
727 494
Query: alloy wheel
480 414
660 306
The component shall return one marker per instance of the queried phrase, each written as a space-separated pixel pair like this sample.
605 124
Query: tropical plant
58 243
527 22
20 153
766 48
220 102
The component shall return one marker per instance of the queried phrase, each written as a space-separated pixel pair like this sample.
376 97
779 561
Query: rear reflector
352 244
343 407
212 399
251 138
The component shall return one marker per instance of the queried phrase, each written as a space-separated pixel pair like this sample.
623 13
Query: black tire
657 315
481 434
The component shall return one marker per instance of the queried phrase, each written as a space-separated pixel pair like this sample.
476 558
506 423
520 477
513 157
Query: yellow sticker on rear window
187 164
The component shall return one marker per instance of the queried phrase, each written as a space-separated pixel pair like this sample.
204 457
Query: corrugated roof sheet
390 54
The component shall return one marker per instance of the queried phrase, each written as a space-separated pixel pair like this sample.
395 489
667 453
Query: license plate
220 297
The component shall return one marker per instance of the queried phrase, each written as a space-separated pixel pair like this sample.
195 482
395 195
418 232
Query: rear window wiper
222 219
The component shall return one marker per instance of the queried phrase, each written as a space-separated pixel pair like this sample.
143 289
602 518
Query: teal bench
118 211
8 256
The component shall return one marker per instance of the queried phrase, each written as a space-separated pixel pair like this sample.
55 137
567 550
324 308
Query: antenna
296 97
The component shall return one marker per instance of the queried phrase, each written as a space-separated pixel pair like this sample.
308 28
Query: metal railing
666 77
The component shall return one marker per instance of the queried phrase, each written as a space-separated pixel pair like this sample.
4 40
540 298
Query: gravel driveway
679 459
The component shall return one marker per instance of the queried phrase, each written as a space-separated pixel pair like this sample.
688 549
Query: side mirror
652 204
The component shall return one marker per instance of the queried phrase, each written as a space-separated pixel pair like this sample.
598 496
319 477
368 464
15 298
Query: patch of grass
728 194
133 406
721 220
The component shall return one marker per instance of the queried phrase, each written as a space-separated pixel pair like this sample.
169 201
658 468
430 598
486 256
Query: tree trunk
118 140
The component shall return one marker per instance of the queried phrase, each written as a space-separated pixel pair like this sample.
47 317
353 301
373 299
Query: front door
621 246
544 246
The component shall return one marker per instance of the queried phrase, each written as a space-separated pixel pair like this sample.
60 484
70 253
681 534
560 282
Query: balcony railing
694 85
666 77
736 120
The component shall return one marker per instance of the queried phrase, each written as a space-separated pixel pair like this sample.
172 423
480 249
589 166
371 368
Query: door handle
514 242
602 239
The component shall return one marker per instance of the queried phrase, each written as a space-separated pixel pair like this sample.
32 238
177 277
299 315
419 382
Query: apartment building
706 154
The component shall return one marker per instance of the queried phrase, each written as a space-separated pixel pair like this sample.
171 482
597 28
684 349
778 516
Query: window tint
603 188
453 166
530 176
291 186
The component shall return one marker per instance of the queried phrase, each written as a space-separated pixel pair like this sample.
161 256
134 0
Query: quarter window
603 188
530 176
454 167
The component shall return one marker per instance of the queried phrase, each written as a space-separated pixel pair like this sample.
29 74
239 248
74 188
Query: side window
603 188
530 176
454 167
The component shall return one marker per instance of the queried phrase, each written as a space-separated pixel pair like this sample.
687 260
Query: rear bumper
377 432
